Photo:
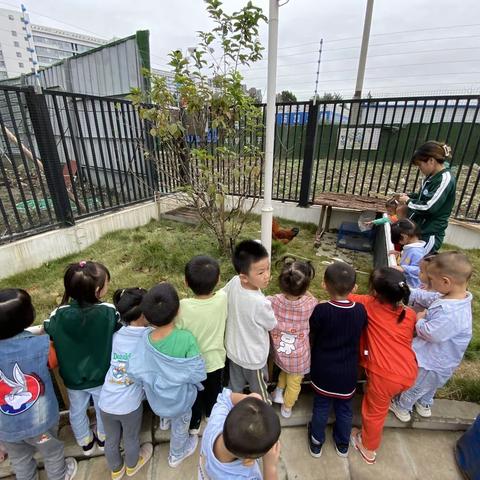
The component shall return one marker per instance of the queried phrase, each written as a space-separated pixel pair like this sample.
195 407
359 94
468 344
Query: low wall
32 252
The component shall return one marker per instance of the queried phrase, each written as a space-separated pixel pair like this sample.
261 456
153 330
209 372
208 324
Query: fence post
47 148
307 167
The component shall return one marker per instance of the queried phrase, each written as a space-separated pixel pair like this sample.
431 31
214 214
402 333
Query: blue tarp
467 452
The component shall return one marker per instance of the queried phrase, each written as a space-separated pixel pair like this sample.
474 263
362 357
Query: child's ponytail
295 276
389 286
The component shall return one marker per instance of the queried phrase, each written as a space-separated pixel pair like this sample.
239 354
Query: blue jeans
426 384
50 448
79 403
179 434
343 418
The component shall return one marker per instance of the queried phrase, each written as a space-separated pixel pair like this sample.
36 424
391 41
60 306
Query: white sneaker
278 395
285 411
194 431
164 423
192 443
402 414
71 468
423 411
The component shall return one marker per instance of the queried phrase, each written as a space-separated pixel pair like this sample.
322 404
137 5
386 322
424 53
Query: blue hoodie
170 384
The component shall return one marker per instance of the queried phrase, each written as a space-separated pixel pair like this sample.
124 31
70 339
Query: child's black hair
16 312
201 274
246 253
404 226
390 287
127 301
82 280
440 151
340 278
391 203
251 428
295 277
160 304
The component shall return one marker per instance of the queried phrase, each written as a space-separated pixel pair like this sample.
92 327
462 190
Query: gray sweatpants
50 447
240 377
130 425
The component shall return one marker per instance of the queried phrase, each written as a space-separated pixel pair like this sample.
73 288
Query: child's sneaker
164 423
315 448
119 473
277 396
195 428
423 411
192 443
285 411
342 450
402 414
88 449
100 443
146 451
71 468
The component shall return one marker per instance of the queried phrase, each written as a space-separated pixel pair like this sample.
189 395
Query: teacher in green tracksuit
431 207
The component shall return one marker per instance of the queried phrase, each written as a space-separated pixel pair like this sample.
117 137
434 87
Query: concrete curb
447 415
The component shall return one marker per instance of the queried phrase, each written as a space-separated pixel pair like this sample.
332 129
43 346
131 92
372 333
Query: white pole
364 50
267 210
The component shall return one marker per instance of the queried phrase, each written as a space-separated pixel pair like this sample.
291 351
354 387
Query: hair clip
447 149
82 263
402 284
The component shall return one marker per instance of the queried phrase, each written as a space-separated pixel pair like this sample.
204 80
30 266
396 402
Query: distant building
52 44
169 77
17 45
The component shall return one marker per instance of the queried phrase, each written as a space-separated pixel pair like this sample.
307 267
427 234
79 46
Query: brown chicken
284 235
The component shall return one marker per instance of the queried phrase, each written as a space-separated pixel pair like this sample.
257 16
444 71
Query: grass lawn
158 252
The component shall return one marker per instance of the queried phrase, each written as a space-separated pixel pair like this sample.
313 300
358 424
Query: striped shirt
290 338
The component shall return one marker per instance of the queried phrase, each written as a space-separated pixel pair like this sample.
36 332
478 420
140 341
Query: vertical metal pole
267 210
364 49
318 71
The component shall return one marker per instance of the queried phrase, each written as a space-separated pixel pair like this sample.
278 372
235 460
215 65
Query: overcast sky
429 46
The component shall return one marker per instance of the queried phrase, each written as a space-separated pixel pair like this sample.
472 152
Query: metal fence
364 147
67 156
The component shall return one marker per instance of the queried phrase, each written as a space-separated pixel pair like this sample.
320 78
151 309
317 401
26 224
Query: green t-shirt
206 318
178 344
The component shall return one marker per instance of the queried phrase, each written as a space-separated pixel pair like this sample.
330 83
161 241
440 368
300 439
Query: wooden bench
342 200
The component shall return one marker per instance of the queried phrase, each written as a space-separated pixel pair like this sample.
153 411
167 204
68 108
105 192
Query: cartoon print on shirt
119 370
19 394
287 343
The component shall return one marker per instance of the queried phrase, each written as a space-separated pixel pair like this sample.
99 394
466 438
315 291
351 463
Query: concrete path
405 455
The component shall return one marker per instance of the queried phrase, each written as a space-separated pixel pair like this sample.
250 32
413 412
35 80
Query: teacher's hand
403 198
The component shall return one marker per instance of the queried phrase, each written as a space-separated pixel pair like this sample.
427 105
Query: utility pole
318 71
267 209
31 47
364 50
355 106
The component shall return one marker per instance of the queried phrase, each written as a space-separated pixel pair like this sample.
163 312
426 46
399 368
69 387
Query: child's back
83 341
336 328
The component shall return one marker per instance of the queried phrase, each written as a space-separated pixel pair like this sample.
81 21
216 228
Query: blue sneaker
341 449
314 448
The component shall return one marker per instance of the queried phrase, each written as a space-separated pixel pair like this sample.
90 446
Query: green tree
286 96
327 97
212 103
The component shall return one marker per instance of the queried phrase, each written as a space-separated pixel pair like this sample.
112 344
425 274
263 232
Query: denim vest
28 405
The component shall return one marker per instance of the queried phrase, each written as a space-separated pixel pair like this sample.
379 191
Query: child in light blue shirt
444 331
231 447
407 234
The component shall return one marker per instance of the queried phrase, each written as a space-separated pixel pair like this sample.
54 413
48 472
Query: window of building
16 44
11 17
14 33
21 65
3 75
33 70
30 59
2 64
19 55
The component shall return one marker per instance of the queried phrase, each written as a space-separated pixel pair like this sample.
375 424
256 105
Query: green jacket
82 338
431 207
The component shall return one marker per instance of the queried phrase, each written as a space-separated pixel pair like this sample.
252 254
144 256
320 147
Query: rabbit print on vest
20 393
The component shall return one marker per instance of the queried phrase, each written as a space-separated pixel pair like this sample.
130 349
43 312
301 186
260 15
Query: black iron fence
66 156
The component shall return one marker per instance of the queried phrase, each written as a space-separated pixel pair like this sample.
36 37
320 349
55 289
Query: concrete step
404 455
447 415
